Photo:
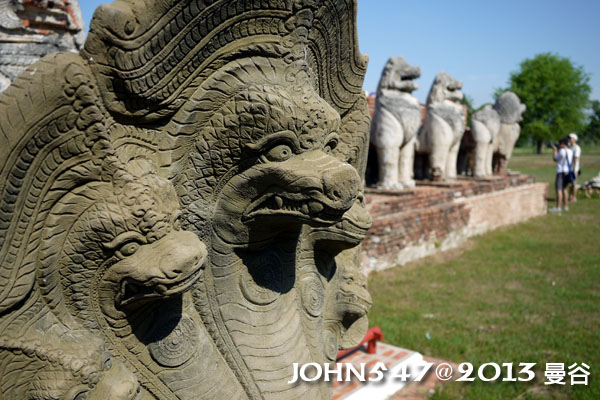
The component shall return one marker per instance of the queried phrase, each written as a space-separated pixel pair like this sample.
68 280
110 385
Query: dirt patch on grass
513 285
535 319
587 319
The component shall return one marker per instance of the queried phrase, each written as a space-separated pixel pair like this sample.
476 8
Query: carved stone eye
107 364
79 392
331 145
129 248
81 396
177 222
280 152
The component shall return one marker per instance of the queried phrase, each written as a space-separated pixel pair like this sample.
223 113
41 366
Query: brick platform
411 224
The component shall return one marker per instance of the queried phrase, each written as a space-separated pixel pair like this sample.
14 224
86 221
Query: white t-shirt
576 153
562 165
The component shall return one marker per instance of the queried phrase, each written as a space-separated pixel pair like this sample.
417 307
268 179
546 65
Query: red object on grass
371 338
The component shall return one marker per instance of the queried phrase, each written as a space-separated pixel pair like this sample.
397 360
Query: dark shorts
561 181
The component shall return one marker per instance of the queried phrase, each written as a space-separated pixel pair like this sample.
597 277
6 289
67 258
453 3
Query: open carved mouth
351 300
133 291
296 206
353 226
409 77
408 83
454 95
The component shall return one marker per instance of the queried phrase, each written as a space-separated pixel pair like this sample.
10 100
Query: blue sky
477 41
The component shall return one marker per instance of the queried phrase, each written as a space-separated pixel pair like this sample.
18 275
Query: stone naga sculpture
60 363
443 127
185 196
395 123
510 109
89 247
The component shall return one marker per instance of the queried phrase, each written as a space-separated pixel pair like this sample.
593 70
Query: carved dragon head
118 244
260 158
68 364
215 75
346 313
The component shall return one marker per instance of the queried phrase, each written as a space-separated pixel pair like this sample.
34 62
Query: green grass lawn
525 293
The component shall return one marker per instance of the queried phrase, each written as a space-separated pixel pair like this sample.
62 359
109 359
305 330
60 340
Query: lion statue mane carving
443 127
181 204
395 123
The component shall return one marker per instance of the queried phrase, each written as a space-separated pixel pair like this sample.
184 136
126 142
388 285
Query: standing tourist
576 165
564 161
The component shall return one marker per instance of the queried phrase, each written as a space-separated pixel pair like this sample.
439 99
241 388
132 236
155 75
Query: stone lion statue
443 127
495 129
511 110
485 126
395 124
185 195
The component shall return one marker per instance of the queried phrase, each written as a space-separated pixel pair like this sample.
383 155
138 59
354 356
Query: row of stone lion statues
399 131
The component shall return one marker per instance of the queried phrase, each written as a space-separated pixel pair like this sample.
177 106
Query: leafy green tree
556 93
591 133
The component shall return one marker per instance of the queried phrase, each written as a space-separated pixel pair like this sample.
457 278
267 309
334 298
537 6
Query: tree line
557 95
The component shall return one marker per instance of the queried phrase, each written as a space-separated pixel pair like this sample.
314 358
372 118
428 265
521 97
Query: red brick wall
371 102
431 213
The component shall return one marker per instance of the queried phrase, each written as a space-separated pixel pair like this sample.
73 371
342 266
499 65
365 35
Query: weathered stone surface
181 205
30 30
395 124
496 130
511 110
443 127
485 126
